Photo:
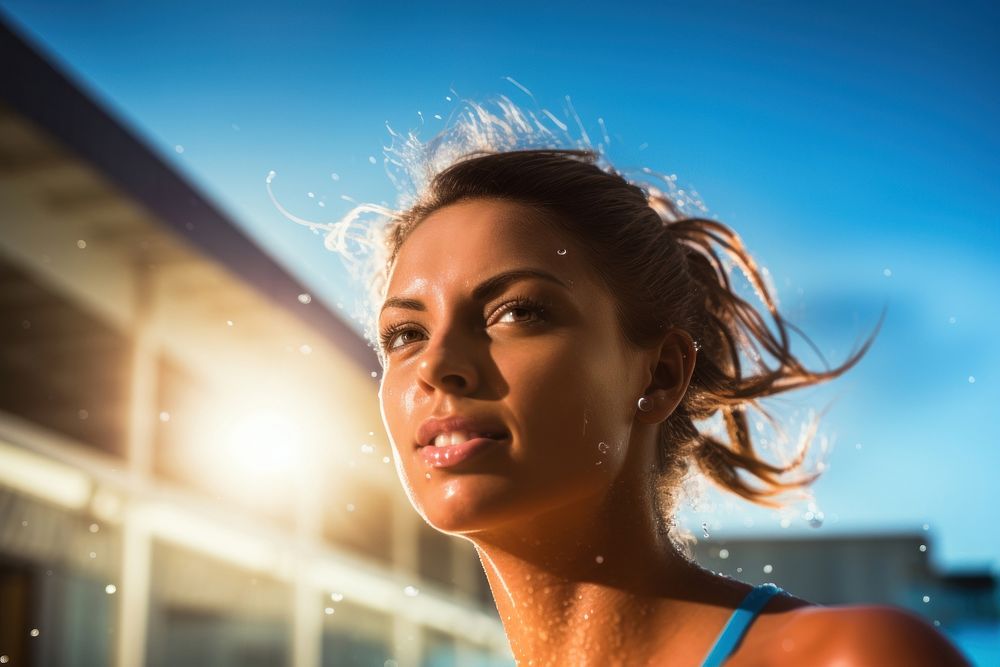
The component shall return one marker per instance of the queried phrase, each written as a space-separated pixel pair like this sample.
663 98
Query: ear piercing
645 404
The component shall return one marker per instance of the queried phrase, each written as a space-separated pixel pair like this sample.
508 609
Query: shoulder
860 635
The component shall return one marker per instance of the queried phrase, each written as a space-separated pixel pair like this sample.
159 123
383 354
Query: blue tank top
739 622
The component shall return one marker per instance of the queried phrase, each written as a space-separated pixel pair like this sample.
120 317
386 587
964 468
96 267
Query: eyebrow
484 290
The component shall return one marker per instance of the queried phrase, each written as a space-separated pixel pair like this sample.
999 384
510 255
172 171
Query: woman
550 333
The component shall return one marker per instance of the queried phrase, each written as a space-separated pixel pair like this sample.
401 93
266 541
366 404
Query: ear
672 364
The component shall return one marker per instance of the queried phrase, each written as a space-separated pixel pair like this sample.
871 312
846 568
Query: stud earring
645 404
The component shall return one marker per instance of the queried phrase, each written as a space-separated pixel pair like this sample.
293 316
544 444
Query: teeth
453 438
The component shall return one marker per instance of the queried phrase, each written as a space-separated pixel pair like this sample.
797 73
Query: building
192 467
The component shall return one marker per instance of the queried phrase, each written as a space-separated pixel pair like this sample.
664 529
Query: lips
477 434
476 427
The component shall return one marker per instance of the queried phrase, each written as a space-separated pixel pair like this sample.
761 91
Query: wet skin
566 527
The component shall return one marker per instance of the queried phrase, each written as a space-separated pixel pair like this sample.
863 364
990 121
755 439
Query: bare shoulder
856 635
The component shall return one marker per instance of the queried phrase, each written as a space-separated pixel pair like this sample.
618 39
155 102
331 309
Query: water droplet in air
305 349
723 554
82 414
110 589
94 528
4 659
817 520
704 529
34 632
311 195
926 599
411 591
785 522
952 320
367 448
922 548
24 524
81 244
437 116
738 570
179 148
857 445
328 611
270 176
599 559
926 526
374 374
768 569
336 597
371 158
561 251
385 459
887 272
350 507
972 379
93 555
602 447
305 298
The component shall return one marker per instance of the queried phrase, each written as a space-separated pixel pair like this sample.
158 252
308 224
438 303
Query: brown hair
664 270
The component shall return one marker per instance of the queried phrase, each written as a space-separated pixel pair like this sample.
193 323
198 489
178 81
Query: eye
392 333
525 304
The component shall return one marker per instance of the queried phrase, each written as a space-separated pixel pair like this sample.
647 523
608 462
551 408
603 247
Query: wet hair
664 269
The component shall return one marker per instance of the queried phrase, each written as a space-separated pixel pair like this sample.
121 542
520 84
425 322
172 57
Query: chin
462 505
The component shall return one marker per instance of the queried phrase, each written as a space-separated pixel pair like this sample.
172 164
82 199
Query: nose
447 364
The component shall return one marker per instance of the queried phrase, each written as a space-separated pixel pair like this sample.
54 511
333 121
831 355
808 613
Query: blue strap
738 623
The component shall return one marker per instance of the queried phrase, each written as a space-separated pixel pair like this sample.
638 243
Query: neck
589 583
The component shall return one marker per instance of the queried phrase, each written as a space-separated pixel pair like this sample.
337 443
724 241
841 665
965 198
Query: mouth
448 455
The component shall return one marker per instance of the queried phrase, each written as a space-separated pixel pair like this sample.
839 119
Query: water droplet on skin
350 507
164 416
602 447
305 298
427 475
561 251
768 569
110 589
723 554
411 591
82 414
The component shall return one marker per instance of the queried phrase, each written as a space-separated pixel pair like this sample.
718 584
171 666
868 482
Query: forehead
461 244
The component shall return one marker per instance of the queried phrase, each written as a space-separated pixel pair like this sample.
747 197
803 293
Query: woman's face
560 381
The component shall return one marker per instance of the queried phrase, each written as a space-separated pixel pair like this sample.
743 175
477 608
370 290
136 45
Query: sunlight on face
544 360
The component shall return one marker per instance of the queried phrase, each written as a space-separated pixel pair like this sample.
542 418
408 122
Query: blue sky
853 147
